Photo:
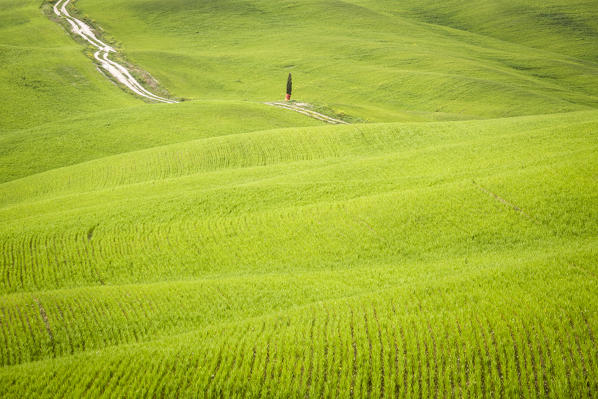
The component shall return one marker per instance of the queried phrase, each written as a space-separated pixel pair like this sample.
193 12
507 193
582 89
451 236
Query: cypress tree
289 85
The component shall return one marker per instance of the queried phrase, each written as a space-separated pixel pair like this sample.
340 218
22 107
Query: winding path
119 72
122 74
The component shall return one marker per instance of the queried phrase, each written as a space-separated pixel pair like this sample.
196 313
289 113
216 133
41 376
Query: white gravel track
118 71
124 76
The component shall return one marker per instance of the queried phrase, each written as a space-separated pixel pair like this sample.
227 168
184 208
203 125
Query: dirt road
118 71
124 76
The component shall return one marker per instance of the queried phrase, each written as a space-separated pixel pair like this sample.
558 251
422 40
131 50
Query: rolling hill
443 244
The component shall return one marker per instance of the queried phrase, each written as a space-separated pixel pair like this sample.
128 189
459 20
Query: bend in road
118 71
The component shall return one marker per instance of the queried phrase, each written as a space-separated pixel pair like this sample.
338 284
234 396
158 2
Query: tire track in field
116 70
507 203
305 110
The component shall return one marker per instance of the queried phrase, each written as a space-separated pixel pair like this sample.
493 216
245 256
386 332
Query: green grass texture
444 245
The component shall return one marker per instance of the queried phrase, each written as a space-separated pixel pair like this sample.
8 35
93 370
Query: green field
443 244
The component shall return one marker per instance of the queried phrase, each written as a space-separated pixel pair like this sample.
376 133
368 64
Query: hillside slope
343 234
562 27
221 247
44 75
360 58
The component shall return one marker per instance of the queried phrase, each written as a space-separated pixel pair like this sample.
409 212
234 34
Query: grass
103 133
379 67
44 78
226 248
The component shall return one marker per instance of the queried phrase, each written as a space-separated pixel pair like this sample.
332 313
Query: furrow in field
383 374
369 350
262 372
403 385
280 147
447 346
354 356
326 357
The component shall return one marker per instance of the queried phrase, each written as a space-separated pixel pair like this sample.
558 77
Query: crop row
140 243
42 325
352 348
276 147
362 207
